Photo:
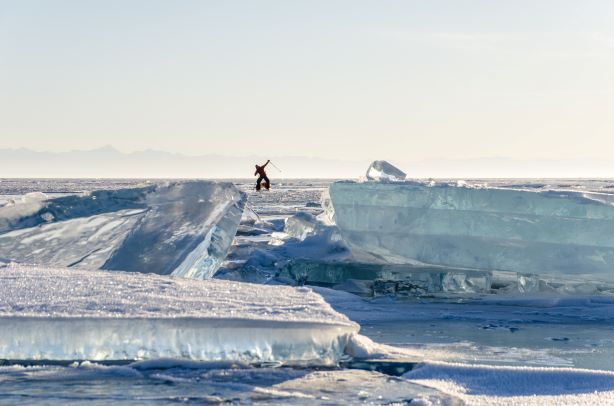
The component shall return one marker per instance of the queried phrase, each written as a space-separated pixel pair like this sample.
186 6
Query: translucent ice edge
203 339
70 314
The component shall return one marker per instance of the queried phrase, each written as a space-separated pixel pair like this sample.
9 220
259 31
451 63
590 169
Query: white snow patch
506 385
363 347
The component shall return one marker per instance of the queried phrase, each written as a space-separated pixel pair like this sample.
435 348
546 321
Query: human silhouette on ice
260 171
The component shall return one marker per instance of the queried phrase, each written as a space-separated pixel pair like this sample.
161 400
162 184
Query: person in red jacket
260 171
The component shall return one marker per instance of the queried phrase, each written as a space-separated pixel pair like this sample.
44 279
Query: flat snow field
72 314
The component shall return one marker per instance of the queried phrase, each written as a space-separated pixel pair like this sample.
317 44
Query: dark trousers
267 184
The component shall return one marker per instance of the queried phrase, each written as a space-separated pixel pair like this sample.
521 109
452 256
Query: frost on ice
383 170
490 229
179 228
73 314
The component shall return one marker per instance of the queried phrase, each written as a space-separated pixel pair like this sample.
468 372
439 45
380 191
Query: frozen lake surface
495 349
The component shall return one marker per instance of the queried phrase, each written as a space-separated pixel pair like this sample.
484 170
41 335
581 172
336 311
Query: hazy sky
399 80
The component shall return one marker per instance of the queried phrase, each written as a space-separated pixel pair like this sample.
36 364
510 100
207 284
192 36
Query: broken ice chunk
528 283
384 171
301 225
179 228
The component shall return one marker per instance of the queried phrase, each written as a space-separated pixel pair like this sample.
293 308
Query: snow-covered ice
179 228
553 340
497 385
68 314
550 232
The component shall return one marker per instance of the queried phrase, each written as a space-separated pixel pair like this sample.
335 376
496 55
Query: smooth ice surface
521 330
384 171
548 232
67 314
160 383
180 228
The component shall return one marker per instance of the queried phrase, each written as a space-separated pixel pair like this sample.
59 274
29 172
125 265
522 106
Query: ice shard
385 171
179 228
301 225
551 232
74 314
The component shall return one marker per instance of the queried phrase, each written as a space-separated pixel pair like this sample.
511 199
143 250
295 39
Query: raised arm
267 162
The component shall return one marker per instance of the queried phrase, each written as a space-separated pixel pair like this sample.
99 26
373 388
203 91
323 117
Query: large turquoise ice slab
478 228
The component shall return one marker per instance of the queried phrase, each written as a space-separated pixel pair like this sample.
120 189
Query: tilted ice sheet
384 171
66 314
479 228
180 228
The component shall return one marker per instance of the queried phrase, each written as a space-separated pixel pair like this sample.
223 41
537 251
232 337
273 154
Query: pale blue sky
399 80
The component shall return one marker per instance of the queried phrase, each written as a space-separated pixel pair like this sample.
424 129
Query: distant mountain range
108 162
